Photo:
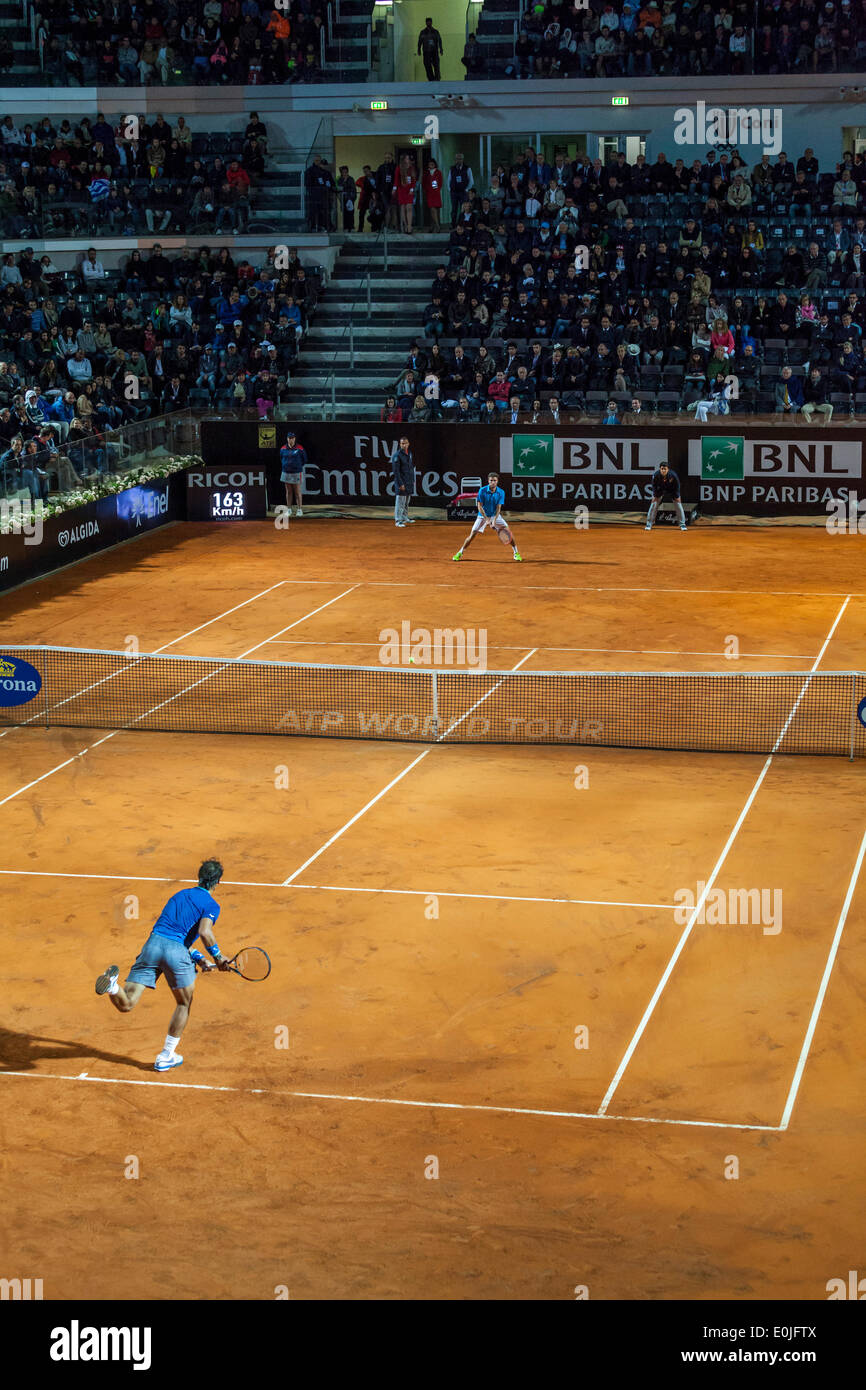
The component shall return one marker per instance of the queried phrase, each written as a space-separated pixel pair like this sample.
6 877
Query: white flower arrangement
15 515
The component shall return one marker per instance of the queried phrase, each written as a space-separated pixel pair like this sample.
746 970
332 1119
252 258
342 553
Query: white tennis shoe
107 979
164 1062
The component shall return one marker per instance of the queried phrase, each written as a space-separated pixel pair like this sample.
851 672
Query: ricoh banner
759 472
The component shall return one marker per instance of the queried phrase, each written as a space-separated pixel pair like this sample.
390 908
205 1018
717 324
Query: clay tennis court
445 921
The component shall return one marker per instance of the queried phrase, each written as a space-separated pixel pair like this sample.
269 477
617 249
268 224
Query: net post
434 677
853 713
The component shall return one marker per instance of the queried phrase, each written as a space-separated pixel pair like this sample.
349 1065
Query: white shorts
482 522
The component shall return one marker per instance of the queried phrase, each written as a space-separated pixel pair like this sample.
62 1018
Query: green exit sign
378 106
417 140
619 101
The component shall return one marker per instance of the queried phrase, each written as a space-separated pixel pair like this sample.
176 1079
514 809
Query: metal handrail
32 20
347 337
307 161
329 22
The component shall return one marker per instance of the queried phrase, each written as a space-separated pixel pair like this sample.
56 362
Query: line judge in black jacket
403 465
666 488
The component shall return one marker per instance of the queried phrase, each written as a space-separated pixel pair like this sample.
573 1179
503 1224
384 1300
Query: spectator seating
667 39
107 347
208 42
93 178
666 255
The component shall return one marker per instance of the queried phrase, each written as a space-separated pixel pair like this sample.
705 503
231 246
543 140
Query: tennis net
820 712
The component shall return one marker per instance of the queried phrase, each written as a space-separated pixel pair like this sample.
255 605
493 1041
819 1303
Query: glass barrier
75 462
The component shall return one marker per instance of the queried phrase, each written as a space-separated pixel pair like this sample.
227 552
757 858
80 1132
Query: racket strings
253 963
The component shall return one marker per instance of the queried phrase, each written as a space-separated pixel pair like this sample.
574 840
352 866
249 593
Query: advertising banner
755 472
31 549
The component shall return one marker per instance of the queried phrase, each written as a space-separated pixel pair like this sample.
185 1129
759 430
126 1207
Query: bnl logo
21 1290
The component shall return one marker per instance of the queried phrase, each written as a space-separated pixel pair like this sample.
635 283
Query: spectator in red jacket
238 177
432 182
391 412
499 390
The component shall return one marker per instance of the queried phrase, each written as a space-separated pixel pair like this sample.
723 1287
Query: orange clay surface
439 943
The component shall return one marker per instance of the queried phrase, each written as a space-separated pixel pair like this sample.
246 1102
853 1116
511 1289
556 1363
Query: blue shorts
161 956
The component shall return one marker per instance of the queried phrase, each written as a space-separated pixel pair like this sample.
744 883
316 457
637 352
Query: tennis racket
252 963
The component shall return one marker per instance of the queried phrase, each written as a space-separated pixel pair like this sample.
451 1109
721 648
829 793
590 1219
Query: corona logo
6 669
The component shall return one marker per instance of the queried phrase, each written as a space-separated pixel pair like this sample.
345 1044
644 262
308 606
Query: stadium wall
300 118
35 550
733 470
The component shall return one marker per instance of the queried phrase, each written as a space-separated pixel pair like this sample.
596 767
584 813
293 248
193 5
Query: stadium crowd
723 285
676 38
84 352
226 42
244 42
59 178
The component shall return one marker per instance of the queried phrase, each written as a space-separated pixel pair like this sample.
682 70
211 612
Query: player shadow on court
21 1052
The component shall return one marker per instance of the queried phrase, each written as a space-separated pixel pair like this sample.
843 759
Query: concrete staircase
496 31
277 203
346 53
26 71
398 298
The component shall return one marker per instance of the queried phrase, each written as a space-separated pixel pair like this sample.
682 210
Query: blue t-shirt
490 499
182 913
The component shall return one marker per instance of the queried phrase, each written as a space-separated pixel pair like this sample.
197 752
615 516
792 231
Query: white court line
822 989
580 588
613 651
233 660
185 691
133 661
58 768
378 797
687 930
808 682
484 897
357 816
594 588
342 888
491 691
387 1100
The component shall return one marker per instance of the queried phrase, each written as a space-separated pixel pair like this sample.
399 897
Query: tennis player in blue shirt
490 500
188 914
